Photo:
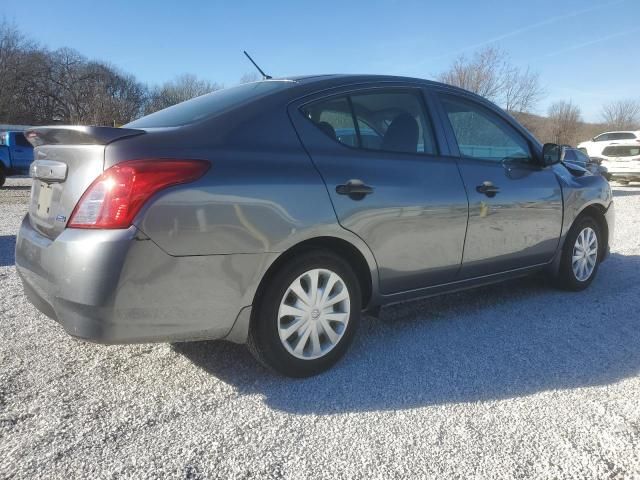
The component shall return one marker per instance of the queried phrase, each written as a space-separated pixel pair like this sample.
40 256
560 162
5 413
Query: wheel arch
365 271
598 213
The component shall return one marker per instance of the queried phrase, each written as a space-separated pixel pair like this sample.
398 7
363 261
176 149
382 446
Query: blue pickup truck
16 154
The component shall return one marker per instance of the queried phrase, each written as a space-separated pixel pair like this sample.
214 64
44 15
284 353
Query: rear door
383 161
515 205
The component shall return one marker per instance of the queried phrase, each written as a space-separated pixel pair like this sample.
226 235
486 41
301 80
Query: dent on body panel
195 294
241 206
580 192
523 220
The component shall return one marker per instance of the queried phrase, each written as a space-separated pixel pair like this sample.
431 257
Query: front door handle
488 188
355 189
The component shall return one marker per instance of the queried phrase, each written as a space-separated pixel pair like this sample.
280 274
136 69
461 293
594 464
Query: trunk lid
67 159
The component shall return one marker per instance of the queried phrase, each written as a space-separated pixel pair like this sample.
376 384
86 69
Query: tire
568 278
270 320
3 176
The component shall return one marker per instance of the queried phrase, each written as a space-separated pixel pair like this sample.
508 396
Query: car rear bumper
628 170
118 286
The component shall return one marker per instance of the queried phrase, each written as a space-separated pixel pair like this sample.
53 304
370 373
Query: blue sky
585 50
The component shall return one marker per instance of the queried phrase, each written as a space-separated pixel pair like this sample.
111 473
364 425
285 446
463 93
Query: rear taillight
114 198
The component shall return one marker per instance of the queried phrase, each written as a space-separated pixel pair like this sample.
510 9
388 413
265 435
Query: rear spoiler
75 135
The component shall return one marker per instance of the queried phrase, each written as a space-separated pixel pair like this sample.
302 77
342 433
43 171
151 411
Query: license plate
44 199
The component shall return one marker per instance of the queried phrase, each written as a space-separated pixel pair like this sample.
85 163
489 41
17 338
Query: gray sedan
274 213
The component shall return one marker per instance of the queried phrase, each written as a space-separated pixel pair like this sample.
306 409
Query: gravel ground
509 381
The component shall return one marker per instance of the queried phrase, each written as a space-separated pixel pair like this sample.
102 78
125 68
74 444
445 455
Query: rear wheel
581 255
3 176
307 316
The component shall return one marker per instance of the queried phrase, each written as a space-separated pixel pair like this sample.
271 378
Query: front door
515 205
21 153
377 152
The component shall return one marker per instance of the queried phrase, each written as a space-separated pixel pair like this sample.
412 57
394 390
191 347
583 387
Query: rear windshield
209 105
622 151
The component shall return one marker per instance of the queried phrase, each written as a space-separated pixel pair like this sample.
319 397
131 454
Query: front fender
578 194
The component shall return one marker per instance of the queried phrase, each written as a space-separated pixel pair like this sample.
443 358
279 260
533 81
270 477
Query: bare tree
622 115
183 88
249 77
564 123
15 50
39 86
490 74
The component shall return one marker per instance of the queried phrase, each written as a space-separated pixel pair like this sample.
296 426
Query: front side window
393 121
582 156
602 138
570 155
481 134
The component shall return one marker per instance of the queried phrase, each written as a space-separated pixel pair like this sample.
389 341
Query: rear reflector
114 198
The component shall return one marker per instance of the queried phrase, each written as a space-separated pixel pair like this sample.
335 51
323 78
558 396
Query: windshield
209 105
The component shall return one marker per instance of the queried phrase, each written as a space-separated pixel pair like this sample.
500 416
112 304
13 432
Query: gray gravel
510 381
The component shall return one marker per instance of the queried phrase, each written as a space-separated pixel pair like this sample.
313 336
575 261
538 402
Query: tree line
490 73
41 86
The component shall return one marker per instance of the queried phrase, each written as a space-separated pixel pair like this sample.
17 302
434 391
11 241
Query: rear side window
335 119
482 134
210 105
21 140
392 121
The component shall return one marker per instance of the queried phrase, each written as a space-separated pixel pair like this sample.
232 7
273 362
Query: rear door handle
488 188
355 189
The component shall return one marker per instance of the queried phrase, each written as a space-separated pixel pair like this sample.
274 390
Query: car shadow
496 342
7 250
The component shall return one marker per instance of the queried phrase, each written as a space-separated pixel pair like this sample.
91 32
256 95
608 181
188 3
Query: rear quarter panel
261 194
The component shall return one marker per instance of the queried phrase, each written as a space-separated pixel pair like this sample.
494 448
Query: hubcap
585 254
313 314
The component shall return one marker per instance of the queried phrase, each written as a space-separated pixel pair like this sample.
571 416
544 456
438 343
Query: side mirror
552 153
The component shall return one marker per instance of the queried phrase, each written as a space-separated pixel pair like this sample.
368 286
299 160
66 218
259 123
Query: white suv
622 161
597 144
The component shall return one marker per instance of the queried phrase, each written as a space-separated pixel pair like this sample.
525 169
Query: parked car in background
16 154
597 144
622 161
273 213
574 156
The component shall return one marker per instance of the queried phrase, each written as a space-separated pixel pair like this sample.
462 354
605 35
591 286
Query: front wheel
307 315
581 255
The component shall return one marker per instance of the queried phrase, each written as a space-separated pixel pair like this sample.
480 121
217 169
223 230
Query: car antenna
264 75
